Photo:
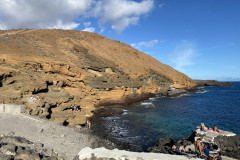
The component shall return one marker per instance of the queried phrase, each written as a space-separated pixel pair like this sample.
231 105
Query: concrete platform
12 108
103 153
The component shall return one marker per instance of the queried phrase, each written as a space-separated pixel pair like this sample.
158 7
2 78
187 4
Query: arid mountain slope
74 68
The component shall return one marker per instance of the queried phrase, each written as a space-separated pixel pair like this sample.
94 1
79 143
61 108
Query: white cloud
66 14
121 13
219 46
59 24
183 55
146 44
2 26
89 29
102 30
161 5
87 24
42 14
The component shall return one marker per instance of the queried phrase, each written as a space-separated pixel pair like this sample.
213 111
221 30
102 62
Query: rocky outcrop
230 146
105 111
74 69
174 92
206 83
13 147
226 142
164 145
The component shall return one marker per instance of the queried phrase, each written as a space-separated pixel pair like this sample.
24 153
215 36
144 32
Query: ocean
142 124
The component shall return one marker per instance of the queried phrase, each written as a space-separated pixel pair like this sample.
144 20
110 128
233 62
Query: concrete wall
12 108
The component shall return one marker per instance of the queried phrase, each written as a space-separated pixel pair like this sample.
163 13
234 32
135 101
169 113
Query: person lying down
208 129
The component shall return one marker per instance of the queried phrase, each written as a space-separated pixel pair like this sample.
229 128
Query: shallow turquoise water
144 123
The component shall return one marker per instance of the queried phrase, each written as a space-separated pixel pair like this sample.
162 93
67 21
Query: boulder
12 147
163 145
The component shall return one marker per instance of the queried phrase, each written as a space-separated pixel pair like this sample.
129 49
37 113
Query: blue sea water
142 124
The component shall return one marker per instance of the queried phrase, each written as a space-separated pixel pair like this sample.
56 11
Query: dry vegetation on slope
66 68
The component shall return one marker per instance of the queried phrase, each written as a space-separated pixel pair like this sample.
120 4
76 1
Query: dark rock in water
174 92
103 112
12 147
164 145
101 142
108 111
205 83
230 146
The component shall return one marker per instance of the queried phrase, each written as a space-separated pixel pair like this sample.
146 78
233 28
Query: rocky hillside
80 69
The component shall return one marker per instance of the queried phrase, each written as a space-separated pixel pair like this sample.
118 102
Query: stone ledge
12 108
103 153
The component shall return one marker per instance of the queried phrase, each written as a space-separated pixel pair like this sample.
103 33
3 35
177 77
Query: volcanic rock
13 147
63 69
230 146
228 142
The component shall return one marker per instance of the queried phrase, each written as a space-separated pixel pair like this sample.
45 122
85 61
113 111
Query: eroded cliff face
74 68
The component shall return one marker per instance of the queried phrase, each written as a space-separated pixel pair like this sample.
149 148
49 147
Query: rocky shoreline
174 92
15 142
208 83
109 111
228 145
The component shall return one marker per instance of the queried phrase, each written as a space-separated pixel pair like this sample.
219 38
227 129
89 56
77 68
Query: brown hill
74 68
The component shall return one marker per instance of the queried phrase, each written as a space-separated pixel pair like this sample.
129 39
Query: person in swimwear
203 127
215 129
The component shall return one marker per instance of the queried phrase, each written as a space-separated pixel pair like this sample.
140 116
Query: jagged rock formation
81 69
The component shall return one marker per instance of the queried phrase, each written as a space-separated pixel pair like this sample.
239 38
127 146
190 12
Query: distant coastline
215 83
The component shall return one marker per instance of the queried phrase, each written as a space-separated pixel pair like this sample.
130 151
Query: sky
200 38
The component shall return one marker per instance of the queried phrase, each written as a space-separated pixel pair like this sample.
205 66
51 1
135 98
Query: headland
53 71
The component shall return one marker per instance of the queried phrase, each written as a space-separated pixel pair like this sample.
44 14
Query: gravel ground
66 141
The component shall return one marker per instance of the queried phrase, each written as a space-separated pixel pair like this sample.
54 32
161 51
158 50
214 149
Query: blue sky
200 38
